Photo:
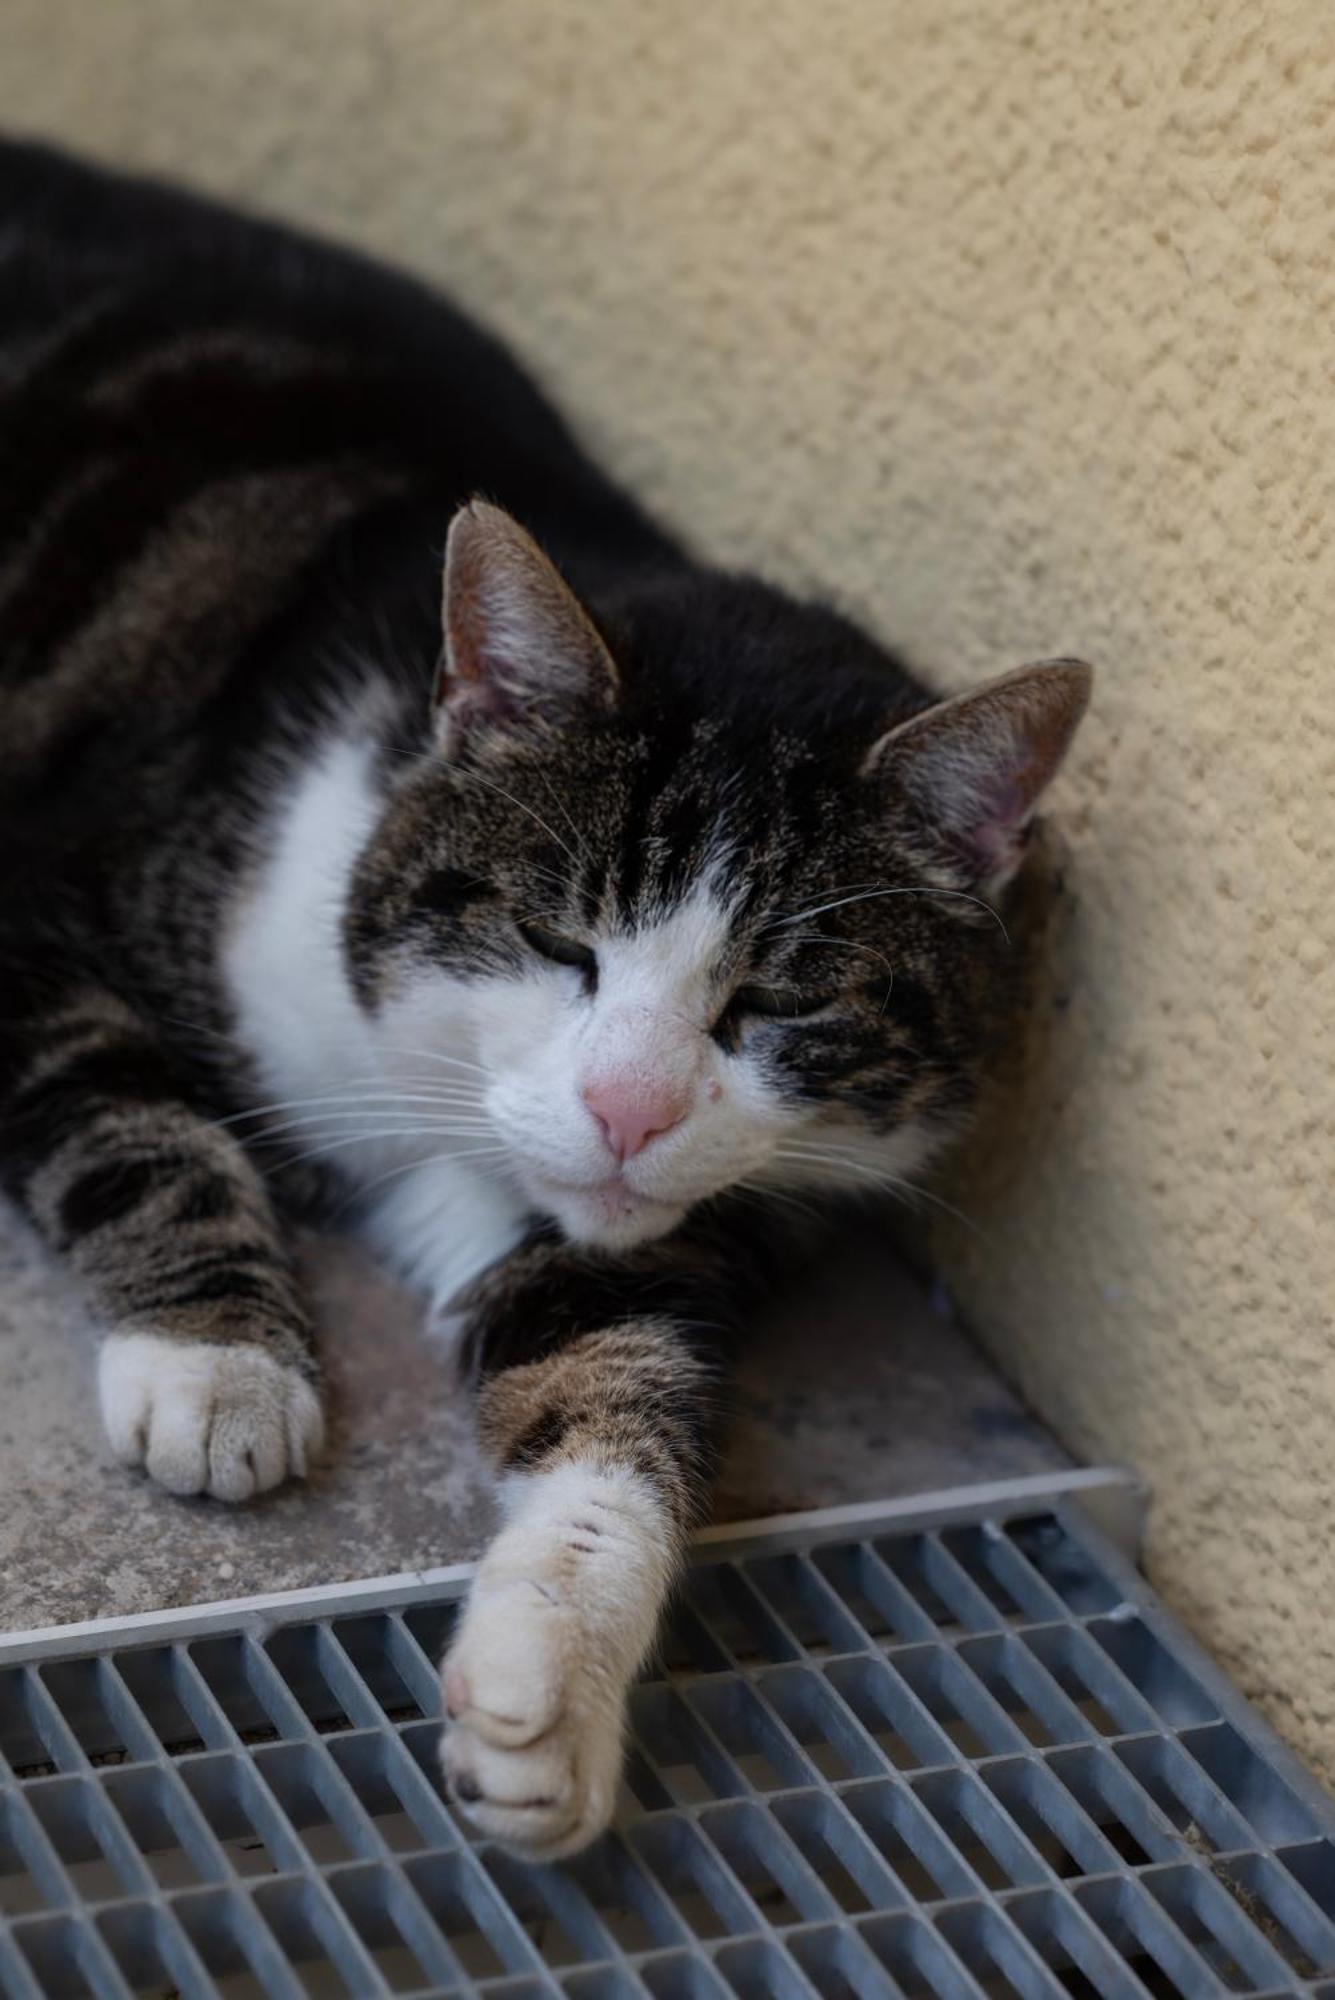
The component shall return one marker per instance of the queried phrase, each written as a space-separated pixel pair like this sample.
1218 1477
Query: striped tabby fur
558 928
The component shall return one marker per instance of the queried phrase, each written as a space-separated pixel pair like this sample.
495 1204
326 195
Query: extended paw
230 1421
532 1745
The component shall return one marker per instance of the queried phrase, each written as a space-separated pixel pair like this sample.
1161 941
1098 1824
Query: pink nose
631 1113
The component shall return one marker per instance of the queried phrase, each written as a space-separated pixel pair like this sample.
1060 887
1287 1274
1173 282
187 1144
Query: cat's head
693 890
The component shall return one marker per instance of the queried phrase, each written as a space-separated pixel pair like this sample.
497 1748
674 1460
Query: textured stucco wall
1010 322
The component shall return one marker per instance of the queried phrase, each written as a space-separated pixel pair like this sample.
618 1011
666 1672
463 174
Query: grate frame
953 1747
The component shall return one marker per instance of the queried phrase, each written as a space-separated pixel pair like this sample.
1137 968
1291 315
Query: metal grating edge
949 1747
1113 1498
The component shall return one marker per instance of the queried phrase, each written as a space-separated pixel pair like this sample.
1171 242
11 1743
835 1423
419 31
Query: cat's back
199 414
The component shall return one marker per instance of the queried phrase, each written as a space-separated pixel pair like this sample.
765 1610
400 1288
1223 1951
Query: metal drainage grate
958 1754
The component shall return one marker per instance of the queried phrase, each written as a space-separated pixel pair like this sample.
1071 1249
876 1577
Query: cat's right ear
520 653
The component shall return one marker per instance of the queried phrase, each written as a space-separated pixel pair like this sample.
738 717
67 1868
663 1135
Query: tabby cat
563 931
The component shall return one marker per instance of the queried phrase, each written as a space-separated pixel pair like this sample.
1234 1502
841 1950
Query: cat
399 821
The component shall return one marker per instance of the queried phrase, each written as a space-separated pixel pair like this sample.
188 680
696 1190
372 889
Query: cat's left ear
974 767
520 652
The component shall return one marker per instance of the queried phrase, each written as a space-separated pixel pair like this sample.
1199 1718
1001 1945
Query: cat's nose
630 1113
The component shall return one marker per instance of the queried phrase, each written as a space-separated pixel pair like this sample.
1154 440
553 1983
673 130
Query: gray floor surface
860 1388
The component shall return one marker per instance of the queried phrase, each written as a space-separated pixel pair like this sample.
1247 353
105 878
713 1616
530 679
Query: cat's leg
602 1443
206 1374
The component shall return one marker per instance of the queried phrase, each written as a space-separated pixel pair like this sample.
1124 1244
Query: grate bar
961 1752
16 1980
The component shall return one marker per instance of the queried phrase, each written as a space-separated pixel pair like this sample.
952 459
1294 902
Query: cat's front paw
227 1420
534 1722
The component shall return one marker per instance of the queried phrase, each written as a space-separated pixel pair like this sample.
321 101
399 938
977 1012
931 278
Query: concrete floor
857 1390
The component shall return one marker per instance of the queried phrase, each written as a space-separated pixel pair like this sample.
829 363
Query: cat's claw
534 1723
227 1420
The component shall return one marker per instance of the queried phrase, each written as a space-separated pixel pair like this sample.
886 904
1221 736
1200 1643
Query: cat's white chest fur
432 1216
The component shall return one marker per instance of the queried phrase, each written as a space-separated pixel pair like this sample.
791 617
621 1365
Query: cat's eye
560 950
778 1003
769 1003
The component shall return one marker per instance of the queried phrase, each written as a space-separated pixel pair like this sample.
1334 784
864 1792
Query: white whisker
871 895
437 1056
374 1138
333 1121
560 805
875 1176
353 1101
853 944
432 1160
538 820
759 1194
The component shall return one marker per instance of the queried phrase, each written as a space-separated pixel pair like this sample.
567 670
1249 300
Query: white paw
229 1421
532 1745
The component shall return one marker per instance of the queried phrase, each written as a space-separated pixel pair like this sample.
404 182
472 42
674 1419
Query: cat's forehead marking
670 951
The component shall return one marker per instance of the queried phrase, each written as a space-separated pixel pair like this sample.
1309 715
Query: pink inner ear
988 818
484 697
998 839
519 646
481 567
978 763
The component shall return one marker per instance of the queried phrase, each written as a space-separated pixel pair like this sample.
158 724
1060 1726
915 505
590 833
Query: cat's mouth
608 1212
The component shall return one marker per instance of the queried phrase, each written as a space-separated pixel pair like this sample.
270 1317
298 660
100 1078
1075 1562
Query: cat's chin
609 1216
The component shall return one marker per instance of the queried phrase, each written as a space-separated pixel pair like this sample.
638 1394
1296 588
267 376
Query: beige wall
1011 323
